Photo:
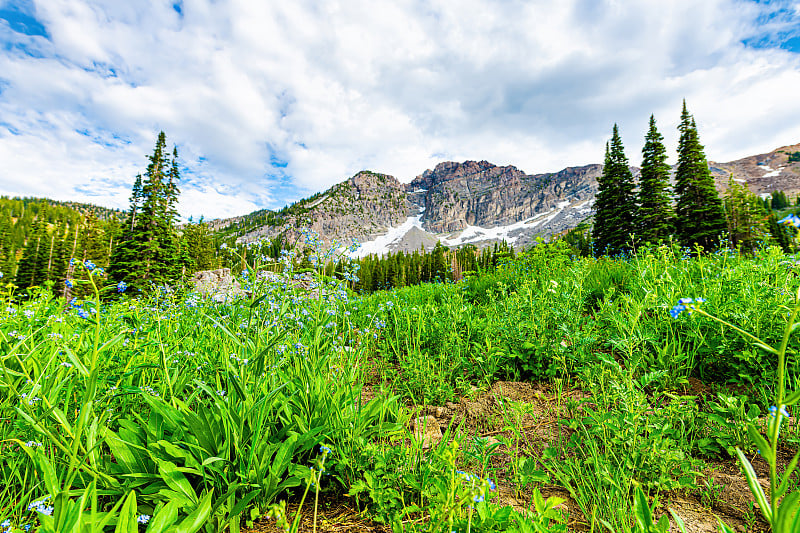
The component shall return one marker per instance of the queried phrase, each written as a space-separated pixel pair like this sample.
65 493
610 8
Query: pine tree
655 204
699 211
615 203
747 219
32 267
199 246
148 251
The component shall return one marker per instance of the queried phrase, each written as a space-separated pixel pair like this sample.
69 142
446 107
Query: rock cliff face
358 208
480 203
472 193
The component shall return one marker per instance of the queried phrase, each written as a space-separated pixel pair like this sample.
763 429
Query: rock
426 428
218 284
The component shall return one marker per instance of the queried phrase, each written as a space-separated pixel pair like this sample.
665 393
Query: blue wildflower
143 518
68 282
83 313
677 310
325 450
5 523
790 220
773 411
89 265
121 286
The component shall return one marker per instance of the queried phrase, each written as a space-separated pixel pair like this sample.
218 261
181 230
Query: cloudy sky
270 101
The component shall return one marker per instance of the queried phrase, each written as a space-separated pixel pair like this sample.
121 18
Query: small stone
426 428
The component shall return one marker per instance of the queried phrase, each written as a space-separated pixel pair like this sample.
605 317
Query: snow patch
380 245
740 180
477 233
315 203
771 173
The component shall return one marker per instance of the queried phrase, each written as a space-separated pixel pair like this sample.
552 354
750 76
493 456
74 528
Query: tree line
628 214
144 246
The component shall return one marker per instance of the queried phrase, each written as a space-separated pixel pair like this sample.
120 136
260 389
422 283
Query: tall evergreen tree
699 210
32 269
655 203
615 203
148 249
747 219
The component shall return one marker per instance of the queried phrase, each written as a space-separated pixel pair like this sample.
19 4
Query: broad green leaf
164 518
755 488
787 513
787 474
761 443
724 527
794 397
175 479
678 520
127 516
198 518
642 509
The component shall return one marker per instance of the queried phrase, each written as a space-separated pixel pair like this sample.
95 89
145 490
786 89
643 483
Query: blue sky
271 101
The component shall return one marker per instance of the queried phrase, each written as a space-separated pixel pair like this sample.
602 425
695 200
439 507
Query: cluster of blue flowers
41 507
773 411
478 484
6 526
685 304
790 220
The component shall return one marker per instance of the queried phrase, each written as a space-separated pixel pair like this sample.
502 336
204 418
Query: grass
179 413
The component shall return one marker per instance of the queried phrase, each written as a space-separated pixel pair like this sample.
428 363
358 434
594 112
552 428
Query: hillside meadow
557 394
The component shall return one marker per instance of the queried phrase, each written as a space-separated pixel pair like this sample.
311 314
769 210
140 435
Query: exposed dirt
489 415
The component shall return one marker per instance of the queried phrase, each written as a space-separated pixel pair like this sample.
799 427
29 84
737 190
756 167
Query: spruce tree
615 203
147 252
699 210
747 219
32 267
655 203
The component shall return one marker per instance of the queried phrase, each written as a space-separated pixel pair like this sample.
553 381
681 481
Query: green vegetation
615 205
175 412
623 220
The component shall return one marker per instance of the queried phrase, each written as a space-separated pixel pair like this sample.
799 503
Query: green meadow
569 394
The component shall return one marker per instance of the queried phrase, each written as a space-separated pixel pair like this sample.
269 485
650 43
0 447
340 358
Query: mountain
456 203
474 202
778 170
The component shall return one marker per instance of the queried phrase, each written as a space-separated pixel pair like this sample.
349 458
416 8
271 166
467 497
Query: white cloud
331 88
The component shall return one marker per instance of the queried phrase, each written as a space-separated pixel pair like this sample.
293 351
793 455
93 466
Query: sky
271 101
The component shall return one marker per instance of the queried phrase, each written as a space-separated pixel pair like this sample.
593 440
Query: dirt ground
482 414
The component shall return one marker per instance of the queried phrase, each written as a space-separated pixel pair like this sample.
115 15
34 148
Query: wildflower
324 450
143 518
790 220
5 523
773 410
33 444
121 286
685 304
83 314
223 246
89 265
68 282
478 498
